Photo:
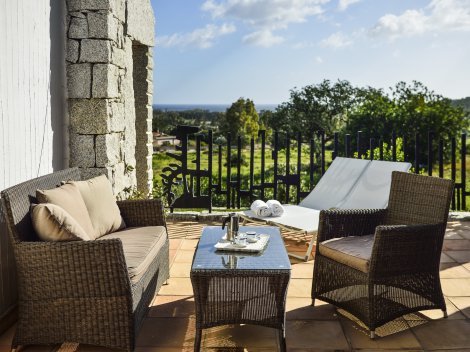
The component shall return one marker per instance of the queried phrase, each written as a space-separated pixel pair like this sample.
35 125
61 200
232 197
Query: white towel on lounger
276 208
260 208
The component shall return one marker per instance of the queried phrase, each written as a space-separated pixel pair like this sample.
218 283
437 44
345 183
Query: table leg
282 340
197 340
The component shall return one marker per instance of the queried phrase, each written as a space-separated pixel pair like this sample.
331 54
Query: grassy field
161 160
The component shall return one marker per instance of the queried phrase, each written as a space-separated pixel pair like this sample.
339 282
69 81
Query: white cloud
336 40
318 60
264 38
344 4
202 38
265 16
438 16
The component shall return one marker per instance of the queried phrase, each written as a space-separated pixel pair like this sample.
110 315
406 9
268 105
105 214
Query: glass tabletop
273 257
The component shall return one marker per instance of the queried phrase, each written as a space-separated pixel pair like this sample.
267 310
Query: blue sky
215 51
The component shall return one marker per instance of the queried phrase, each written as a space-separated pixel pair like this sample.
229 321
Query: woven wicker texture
249 294
79 291
404 267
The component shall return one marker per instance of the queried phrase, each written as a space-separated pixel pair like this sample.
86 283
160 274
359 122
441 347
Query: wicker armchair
381 264
80 291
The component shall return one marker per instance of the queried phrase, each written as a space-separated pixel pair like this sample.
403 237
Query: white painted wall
31 129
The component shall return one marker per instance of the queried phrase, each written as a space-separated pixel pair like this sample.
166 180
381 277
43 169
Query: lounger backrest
335 184
373 187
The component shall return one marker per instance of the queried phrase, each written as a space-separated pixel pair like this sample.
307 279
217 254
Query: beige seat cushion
354 251
101 204
68 197
141 245
52 223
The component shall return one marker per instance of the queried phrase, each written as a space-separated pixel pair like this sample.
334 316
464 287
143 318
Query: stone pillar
102 87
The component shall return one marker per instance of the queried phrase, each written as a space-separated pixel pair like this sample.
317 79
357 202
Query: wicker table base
240 288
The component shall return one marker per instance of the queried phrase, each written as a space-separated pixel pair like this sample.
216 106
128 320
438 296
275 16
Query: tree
241 118
321 107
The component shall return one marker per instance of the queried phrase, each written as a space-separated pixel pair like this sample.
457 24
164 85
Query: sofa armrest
406 249
337 223
142 212
81 269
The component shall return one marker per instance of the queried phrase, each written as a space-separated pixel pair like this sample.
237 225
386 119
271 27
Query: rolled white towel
260 208
276 208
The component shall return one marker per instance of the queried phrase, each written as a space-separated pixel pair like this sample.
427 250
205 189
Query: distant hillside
464 103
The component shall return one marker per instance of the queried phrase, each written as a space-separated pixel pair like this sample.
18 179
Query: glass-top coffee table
238 287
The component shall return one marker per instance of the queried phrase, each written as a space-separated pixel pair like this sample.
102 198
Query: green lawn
161 160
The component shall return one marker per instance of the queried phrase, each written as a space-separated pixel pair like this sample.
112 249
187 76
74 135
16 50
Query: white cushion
53 223
335 184
101 205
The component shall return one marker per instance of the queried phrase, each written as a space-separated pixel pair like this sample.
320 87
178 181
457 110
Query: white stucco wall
31 124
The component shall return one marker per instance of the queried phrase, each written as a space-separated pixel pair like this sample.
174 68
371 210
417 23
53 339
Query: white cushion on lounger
336 183
373 187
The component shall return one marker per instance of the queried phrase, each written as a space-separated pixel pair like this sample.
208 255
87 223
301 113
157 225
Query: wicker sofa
83 291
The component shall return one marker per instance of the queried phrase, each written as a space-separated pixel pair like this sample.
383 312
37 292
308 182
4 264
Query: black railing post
463 170
371 148
405 142
394 146
299 164
336 145
441 157
381 148
263 157
219 174
276 153
417 153
198 165
252 168
358 144
322 140
312 163
228 180
452 169
430 136
287 166
347 145
209 170
239 165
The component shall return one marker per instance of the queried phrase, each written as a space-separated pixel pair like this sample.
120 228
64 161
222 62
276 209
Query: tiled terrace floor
170 324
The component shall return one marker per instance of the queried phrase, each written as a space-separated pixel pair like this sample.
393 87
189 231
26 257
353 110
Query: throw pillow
68 197
52 223
101 204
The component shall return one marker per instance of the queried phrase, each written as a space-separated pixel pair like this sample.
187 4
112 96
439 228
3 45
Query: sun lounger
347 184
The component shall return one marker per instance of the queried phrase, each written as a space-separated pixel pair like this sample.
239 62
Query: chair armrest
142 212
81 269
337 223
406 249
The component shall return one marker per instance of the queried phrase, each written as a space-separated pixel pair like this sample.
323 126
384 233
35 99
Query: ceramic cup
241 239
251 236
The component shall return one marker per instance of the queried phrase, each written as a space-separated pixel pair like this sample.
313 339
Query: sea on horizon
207 107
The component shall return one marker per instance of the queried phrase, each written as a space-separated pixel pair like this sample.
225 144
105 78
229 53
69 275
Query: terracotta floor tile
301 309
175 243
302 271
453 234
164 349
455 287
177 287
459 256
184 256
456 245
172 255
167 332
189 245
463 304
89 348
172 306
436 314
243 336
359 338
442 334
312 334
453 271
446 259
183 270
300 288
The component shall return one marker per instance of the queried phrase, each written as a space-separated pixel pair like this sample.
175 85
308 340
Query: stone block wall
109 81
